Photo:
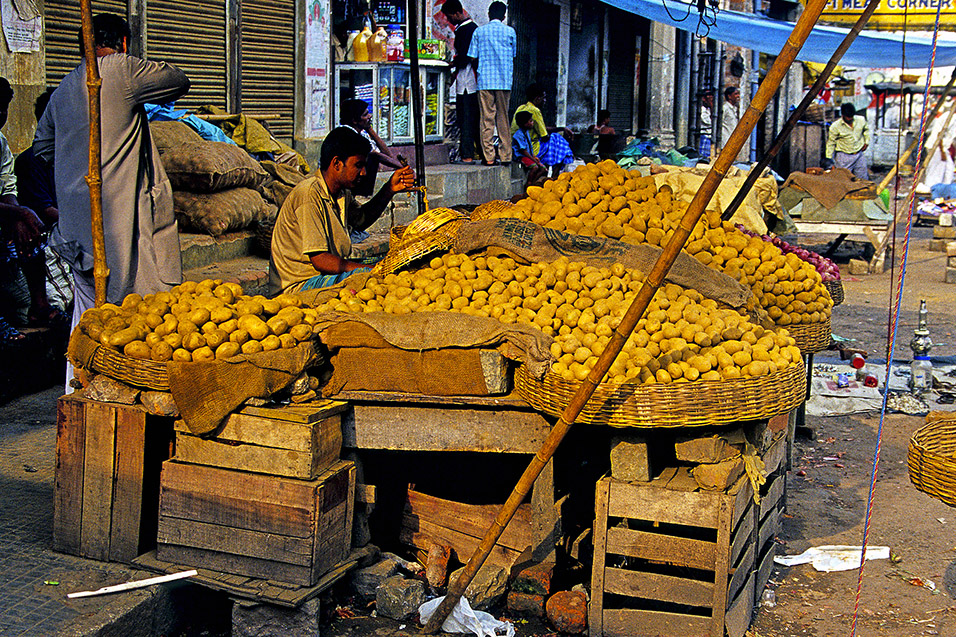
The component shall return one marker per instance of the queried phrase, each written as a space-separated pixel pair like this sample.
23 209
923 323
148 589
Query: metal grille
268 63
62 25
622 38
191 34
537 24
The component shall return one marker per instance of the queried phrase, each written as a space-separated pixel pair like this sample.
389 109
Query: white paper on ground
831 558
465 620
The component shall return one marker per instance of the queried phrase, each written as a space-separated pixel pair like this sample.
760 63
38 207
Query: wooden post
634 313
93 179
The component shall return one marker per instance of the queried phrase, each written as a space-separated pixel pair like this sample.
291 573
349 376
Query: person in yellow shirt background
848 140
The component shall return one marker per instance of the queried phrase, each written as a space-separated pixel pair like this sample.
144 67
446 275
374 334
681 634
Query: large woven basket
932 459
811 337
486 210
138 372
836 291
695 404
409 249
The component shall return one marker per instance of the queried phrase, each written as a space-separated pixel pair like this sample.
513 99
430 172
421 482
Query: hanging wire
911 205
707 11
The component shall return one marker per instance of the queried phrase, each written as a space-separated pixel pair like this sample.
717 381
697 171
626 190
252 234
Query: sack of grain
211 166
168 135
220 212
284 179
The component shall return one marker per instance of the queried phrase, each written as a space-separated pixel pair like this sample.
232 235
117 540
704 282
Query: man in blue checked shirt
495 46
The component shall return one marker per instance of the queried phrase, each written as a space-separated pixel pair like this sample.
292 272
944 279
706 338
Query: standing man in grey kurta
142 241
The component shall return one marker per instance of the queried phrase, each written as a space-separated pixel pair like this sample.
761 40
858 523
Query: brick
950 275
938 245
526 604
568 612
535 579
858 267
944 232
629 459
718 476
436 568
107 390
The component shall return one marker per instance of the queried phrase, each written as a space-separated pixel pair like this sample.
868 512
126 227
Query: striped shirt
495 46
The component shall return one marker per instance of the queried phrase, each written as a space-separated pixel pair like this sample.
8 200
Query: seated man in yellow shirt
311 241
847 141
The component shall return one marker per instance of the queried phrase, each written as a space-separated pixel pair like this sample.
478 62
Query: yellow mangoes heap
199 322
605 200
682 337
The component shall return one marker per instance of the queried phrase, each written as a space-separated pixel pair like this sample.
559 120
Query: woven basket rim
810 337
413 248
930 471
148 374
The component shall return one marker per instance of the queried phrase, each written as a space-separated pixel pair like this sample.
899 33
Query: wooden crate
769 514
297 441
106 484
270 527
670 562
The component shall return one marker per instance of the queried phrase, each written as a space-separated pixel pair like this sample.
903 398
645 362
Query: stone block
399 598
366 580
534 579
950 260
858 267
709 449
950 275
487 588
944 232
526 604
718 476
945 219
951 249
265 620
938 245
568 612
107 390
629 459
159 403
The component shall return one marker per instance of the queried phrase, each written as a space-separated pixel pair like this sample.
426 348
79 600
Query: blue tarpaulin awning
872 49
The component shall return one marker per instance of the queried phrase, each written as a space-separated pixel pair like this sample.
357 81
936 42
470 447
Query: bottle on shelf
360 45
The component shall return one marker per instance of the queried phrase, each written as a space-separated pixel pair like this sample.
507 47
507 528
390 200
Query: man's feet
47 317
8 333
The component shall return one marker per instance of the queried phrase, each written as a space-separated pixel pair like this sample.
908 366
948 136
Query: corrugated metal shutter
268 62
622 37
62 23
191 34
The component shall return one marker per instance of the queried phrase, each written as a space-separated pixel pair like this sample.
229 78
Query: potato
227 350
161 352
251 347
137 349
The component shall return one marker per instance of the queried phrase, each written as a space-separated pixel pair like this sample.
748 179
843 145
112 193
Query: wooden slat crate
769 513
106 486
670 562
256 525
296 441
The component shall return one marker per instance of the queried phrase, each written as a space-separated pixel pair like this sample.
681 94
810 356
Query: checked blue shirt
495 46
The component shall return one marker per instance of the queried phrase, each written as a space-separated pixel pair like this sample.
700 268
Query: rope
911 204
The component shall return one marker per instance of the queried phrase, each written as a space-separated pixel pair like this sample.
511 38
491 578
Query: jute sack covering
168 135
284 179
211 166
216 213
207 391
530 242
831 187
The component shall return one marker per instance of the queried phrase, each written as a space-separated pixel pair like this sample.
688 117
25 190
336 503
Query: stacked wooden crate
266 497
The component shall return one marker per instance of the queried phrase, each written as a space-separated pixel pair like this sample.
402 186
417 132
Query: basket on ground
932 459
700 403
836 291
811 337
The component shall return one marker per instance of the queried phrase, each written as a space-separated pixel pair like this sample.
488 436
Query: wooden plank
640 502
737 618
241 565
546 528
470 519
98 480
722 566
664 588
663 548
508 401
775 454
128 485
464 545
764 569
443 429
227 539
769 528
246 457
741 572
304 414
333 518
234 498
743 495
596 607
742 537
277 433
773 496
652 623
68 475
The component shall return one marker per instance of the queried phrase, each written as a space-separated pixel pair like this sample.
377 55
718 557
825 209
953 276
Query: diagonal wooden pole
636 310
93 179
798 112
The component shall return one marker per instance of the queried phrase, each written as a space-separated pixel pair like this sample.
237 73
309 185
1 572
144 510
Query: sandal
48 317
8 333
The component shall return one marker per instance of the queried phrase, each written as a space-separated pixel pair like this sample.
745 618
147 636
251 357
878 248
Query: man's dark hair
343 143
108 31
534 91
452 6
847 110
352 111
603 114
708 92
522 118
497 10
42 100
730 90
6 92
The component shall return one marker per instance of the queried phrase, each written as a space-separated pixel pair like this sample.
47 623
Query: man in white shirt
729 118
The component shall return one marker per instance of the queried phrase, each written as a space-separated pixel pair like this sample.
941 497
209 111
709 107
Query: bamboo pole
94 179
795 116
644 295
417 115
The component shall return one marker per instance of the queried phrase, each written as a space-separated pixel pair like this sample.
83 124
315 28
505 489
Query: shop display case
387 88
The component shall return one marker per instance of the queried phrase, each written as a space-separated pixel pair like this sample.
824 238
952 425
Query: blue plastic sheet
167 113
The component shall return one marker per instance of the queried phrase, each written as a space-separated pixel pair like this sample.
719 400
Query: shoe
8 333
467 161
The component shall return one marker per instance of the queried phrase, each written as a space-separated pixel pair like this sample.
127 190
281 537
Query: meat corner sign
893 14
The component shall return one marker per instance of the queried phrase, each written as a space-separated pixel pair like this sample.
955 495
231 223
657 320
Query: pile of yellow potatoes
605 200
682 336
199 322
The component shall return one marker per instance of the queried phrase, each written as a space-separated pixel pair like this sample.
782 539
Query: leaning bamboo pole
636 310
94 179
798 112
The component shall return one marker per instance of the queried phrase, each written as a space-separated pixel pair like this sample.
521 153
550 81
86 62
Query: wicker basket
146 374
696 404
932 460
413 248
811 337
486 210
836 291
429 221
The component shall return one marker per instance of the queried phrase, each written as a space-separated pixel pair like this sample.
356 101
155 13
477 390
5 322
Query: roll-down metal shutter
191 34
622 38
268 62
537 25
60 37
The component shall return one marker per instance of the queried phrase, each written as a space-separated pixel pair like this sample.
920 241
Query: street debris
830 558
143 583
465 620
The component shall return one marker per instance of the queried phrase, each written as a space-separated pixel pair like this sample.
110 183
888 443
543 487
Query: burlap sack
831 187
219 212
284 179
211 166
168 135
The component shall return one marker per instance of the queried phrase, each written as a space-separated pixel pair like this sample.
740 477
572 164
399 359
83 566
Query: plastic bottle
921 375
350 46
360 45
859 364
376 45
769 598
